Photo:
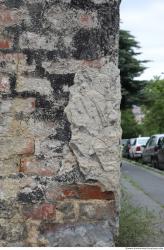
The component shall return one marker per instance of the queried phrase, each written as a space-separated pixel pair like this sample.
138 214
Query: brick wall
59 122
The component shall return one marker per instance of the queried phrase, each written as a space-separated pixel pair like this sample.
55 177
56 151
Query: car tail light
138 148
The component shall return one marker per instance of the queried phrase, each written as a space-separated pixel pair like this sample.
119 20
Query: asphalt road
150 183
146 189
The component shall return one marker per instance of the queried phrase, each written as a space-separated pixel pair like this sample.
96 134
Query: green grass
136 225
134 183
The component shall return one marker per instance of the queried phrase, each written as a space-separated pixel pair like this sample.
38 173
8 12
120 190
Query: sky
145 20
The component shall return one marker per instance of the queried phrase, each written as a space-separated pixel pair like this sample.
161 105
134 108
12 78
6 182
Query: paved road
147 181
146 189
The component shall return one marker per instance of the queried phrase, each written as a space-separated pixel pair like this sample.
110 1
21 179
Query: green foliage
136 225
130 68
154 108
129 126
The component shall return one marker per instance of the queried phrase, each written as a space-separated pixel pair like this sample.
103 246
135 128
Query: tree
154 108
129 125
130 68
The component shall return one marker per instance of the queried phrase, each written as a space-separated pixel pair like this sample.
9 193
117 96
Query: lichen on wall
59 122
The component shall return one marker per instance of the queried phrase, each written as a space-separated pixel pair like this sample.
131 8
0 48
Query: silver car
137 148
151 149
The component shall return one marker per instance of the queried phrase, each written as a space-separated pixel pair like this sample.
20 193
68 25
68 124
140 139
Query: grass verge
136 225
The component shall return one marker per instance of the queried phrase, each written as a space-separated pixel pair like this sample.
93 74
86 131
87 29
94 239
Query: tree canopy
130 68
130 128
154 108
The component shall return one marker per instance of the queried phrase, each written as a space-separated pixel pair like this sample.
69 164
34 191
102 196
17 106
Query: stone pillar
59 122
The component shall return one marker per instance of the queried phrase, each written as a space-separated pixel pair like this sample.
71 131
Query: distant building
138 114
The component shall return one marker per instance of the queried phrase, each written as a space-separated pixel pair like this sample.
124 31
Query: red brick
80 191
34 167
60 193
88 192
43 211
5 44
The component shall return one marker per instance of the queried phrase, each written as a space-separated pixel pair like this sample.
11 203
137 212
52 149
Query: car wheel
155 163
131 156
142 160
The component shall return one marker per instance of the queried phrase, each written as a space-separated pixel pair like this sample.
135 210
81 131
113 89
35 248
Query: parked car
124 142
136 149
158 161
151 150
127 146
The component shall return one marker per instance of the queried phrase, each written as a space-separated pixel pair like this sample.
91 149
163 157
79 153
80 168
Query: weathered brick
23 105
9 17
87 21
32 233
5 106
40 129
67 210
8 209
12 232
42 86
36 41
5 122
64 66
15 146
9 125
4 84
79 191
5 17
102 210
9 188
17 105
36 167
10 57
11 64
99 63
8 167
5 43
43 211
94 192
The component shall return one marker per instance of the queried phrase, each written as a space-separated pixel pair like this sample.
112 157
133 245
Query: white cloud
145 19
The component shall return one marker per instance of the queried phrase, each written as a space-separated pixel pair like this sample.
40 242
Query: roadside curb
138 164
